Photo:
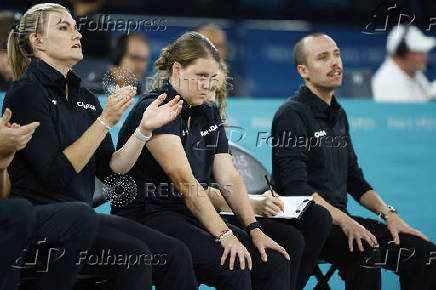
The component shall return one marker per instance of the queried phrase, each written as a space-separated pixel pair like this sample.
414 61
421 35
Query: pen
270 188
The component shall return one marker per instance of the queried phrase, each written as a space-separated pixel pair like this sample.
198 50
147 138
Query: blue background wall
260 57
396 148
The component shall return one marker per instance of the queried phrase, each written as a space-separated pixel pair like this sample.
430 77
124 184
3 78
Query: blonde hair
185 50
20 49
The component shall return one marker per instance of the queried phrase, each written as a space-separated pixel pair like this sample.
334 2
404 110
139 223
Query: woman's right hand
234 247
269 205
13 137
117 104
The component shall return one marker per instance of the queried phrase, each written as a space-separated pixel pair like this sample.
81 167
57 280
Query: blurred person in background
234 84
6 22
217 36
401 76
129 60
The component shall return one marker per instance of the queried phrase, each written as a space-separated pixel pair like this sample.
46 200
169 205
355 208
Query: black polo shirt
205 138
312 150
41 172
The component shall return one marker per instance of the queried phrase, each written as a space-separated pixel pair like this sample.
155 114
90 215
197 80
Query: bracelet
104 124
386 212
141 136
224 234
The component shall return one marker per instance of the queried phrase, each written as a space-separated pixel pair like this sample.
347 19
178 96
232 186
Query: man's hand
262 242
356 232
234 247
397 226
13 137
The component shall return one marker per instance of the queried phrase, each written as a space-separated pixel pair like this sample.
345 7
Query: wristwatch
252 226
386 211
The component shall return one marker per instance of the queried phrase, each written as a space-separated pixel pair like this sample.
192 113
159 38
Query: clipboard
294 207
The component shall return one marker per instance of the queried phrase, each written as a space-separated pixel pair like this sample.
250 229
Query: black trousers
17 220
60 232
414 260
206 253
134 256
302 238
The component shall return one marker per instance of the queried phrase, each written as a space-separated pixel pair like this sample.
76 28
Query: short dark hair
120 48
300 55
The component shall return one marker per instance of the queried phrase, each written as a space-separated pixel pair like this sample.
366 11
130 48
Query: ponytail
20 49
18 60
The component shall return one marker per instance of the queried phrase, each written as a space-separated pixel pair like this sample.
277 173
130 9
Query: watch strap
252 226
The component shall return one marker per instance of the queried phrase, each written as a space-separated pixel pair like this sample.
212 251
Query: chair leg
323 279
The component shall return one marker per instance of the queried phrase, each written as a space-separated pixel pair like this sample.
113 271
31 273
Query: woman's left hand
262 242
155 116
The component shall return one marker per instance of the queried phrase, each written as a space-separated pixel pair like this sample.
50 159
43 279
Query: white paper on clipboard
294 206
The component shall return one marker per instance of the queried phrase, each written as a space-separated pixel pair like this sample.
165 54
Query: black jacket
41 172
312 150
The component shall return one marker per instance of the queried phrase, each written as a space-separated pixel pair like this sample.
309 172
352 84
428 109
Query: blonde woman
72 145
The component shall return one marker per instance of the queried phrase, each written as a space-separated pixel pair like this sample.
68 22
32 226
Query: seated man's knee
322 218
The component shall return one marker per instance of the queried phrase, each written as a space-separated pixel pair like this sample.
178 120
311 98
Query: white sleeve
389 89
433 90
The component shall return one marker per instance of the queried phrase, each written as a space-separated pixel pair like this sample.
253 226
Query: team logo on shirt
209 130
86 106
185 132
54 102
321 133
